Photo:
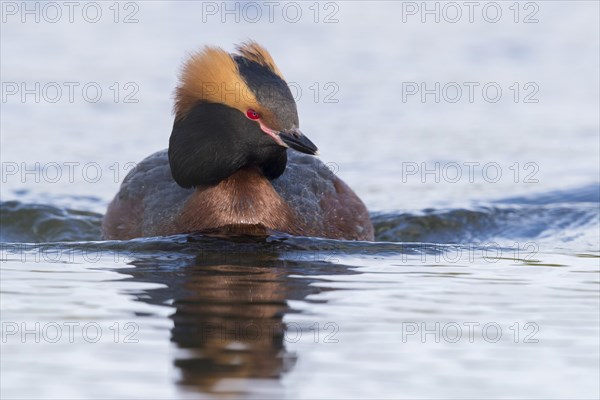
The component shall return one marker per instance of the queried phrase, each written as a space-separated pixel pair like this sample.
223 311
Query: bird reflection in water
230 300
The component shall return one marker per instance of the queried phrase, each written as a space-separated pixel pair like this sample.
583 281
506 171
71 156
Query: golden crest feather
255 52
212 75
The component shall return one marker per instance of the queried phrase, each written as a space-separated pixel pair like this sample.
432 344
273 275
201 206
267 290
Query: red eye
252 114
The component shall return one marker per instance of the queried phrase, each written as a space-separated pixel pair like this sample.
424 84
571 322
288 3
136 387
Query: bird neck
213 141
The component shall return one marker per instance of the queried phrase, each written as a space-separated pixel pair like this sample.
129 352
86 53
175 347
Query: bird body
228 168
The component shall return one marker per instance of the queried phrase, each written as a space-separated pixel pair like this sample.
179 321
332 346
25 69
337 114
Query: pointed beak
296 140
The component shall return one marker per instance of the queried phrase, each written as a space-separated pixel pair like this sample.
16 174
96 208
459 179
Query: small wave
584 194
34 223
560 214
483 223
547 215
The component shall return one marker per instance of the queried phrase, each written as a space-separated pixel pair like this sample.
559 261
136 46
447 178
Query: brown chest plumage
246 198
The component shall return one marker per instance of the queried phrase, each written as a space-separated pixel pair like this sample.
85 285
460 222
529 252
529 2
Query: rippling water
473 288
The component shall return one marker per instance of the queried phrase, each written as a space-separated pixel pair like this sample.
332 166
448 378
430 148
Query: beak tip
299 142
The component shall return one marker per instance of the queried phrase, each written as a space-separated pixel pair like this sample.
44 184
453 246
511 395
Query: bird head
232 111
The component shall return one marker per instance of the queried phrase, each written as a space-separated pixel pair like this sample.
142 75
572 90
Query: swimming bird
237 162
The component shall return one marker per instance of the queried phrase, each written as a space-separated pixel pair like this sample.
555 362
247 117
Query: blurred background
354 67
